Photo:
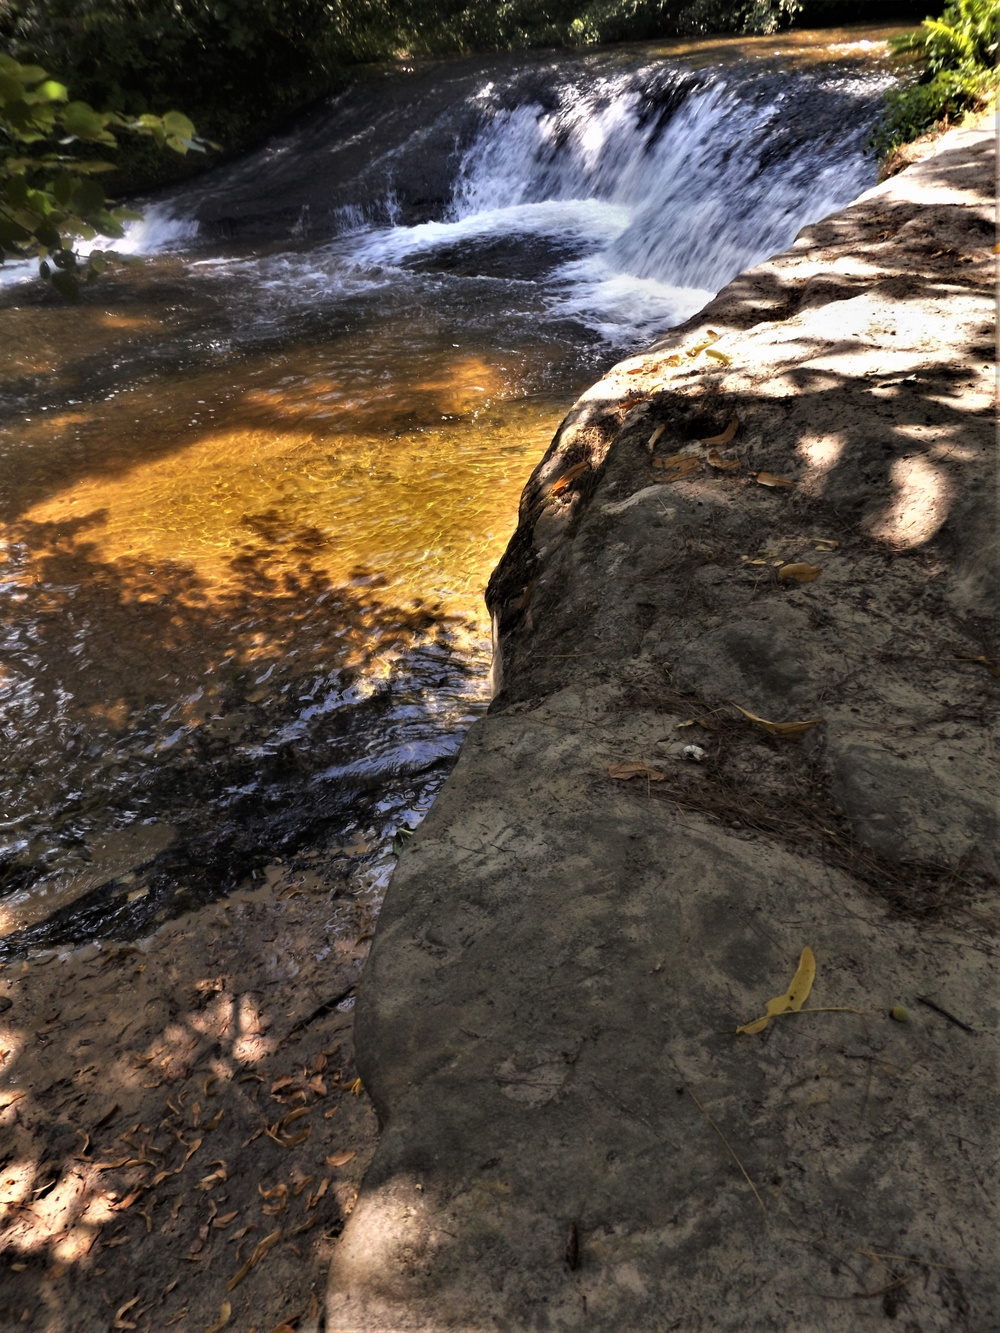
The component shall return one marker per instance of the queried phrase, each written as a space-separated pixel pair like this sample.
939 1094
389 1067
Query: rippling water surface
252 491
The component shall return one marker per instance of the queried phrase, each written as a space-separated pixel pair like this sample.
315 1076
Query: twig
922 999
729 1147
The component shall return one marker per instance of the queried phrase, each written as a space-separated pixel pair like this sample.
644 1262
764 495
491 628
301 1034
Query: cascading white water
648 194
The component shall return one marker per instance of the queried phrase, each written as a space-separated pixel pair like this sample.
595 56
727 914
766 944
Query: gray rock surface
574 1135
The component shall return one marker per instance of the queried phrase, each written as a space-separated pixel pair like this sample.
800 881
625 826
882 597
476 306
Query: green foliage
240 67
958 57
49 194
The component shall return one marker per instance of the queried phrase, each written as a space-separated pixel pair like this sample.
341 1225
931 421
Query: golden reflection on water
409 485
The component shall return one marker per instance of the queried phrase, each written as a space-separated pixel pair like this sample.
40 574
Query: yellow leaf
801 573
357 1087
225 1313
710 337
825 543
793 999
782 728
719 356
635 770
769 479
727 434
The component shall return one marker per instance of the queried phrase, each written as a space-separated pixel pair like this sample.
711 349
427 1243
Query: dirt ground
183 1133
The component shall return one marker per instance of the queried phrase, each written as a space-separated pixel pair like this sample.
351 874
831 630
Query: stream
251 489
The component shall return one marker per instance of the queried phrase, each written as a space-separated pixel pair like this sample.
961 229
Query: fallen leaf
800 573
769 479
651 442
793 999
710 337
719 356
215 1177
570 475
225 1313
623 772
727 435
315 1198
182 1314
214 1122
825 543
340 1158
127 1202
722 464
120 1320
781 728
296 1139
357 1087
682 464
299 1181
280 1083
266 1244
225 1219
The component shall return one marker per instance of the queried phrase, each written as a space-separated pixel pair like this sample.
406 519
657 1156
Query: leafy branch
50 194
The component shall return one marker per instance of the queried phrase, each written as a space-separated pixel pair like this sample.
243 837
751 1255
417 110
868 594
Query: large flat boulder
574 1134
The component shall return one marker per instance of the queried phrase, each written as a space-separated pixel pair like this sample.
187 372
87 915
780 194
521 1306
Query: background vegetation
239 68
957 59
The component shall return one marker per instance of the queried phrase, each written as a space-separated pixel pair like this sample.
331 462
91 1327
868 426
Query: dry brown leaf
680 465
825 543
716 460
651 442
280 1083
225 1314
292 1115
192 1148
727 435
214 1122
127 1202
781 728
225 1219
296 1139
570 475
215 1177
315 1198
769 479
800 572
182 1314
340 1158
120 1320
268 1243
623 772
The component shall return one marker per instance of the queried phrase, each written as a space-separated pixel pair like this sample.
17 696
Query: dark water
251 492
